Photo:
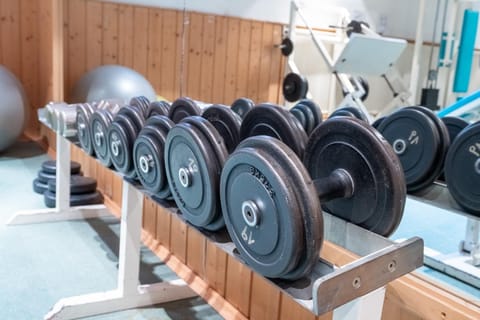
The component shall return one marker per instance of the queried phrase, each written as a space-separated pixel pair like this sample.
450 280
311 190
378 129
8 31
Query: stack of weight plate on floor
83 190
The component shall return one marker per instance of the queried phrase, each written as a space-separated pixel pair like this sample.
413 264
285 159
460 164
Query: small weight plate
377 122
347 111
270 120
193 174
99 123
158 108
305 116
84 113
149 161
50 166
454 126
287 47
241 106
379 192
121 136
227 123
136 116
78 185
309 205
75 199
141 102
316 111
416 141
39 187
44 177
261 210
294 87
462 169
183 107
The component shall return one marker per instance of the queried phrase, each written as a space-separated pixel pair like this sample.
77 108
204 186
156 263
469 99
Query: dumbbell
462 169
48 172
275 121
241 106
349 111
195 151
272 202
421 140
83 191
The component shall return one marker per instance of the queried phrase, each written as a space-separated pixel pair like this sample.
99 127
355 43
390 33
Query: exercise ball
111 82
13 108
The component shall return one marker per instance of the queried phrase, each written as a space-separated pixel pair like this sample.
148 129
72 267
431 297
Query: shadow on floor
21 150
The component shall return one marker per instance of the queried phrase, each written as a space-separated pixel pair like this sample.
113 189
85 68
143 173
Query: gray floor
41 263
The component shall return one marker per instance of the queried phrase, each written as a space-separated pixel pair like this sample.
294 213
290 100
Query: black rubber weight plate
39 187
377 122
101 120
121 137
226 122
75 199
78 185
158 108
347 111
454 126
416 141
379 184
462 169
182 108
84 114
241 106
50 166
305 116
44 177
262 211
316 111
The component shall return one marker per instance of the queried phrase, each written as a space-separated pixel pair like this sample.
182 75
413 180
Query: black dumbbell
421 140
100 121
294 87
195 151
271 200
349 111
241 106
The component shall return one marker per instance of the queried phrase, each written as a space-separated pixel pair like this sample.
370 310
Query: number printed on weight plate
475 149
413 138
247 238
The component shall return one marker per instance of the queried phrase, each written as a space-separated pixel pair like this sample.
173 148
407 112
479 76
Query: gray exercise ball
13 108
111 82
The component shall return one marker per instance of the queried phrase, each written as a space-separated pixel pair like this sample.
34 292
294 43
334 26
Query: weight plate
305 116
378 181
377 122
242 105
121 136
135 115
158 108
142 103
193 174
416 141
226 122
294 87
454 126
287 47
44 177
350 111
100 121
438 165
149 161
261 210
363 82
84 113
39 187
75 199
462 169
309 205
316 111
273 121
50 166
78 185
183 107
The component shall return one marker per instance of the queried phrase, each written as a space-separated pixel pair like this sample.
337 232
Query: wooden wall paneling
169 87
276 69
264 299
266 52
77 43
9 35
219 60
154 52
149 221
243 58
289 309
140 39
183 30
231 60
125 35
239 285
194 56
178 239
163 226
207 53
94 34
196 247
216 268
254 60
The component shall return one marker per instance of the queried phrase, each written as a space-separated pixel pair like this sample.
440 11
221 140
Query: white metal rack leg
367 307
62 210
128 294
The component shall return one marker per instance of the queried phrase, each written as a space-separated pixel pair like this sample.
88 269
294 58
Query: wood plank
207 64
265 62
154 52
276 68
183 29
220 53
289 309
243 58
178 239
231 60
125 35
149 222
163 226
194 66
76 42
239 285
256 48
9 35
264 299
196 247
168 81
94 34
216 268
117 186
140 39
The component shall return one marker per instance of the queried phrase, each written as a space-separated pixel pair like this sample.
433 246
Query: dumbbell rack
354 291
464 264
